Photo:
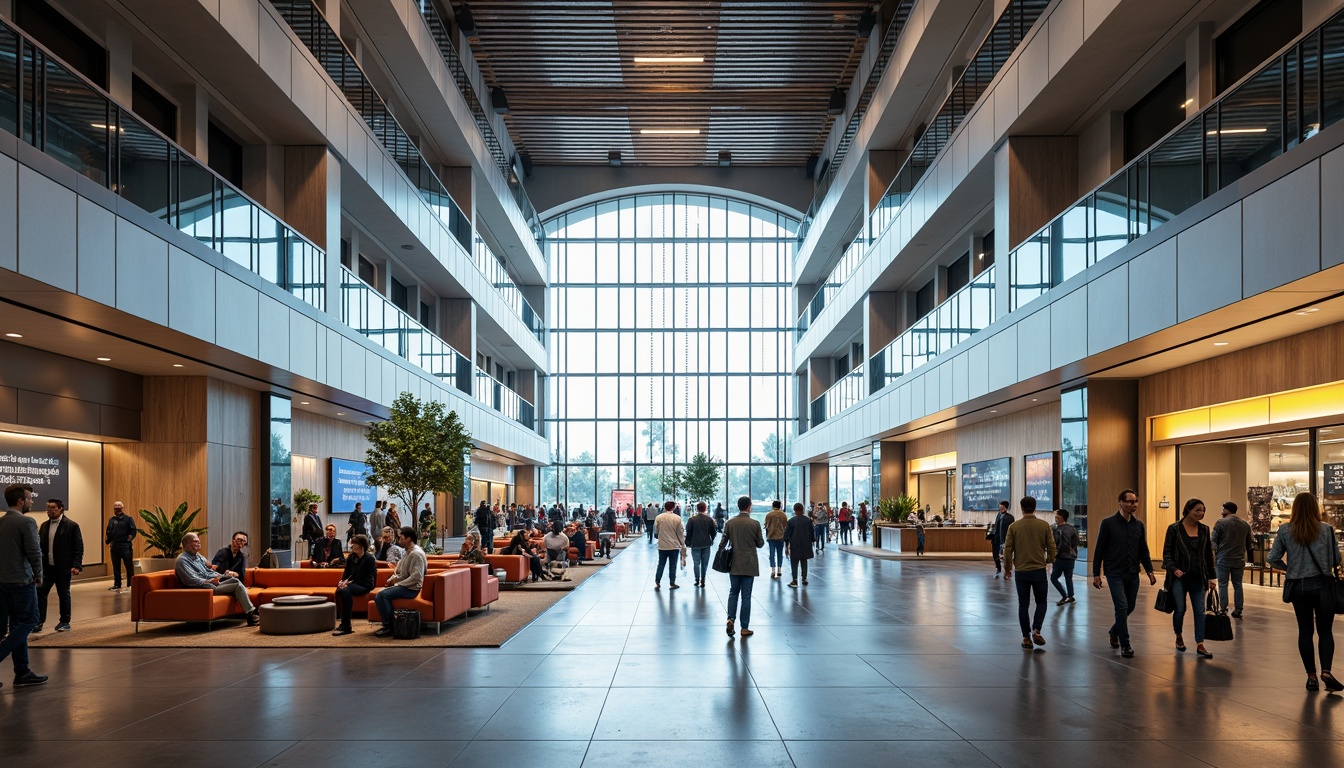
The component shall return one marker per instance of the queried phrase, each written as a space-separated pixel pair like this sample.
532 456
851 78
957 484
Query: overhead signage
42 462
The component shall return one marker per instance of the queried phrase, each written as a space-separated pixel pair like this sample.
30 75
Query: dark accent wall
42 390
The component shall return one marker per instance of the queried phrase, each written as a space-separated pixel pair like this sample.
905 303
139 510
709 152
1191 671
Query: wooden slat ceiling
575 92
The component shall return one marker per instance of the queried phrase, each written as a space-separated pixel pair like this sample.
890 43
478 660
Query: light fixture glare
669 59
670 131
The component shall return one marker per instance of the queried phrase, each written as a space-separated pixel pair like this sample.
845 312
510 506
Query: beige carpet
515 609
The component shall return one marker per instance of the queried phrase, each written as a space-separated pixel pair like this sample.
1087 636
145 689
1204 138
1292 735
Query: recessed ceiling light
408 247
669 59
104 359
1187 103
1220 343
14 335
993 411
177 365
670 131
340 413
1033 399
1306 311
303 402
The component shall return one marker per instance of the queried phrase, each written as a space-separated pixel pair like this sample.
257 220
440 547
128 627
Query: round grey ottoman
297 619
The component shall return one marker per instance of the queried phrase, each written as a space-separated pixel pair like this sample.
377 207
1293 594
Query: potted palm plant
164 533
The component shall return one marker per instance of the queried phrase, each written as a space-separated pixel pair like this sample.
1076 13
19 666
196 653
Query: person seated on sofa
405 582
471 550
194 572
556 543
361 572
387 550
232 560
579 540
327 551
518 546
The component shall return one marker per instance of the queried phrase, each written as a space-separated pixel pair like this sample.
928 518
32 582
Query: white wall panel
353 363
333 343
239 17
96 253
1068 328
960 378
142 273
274 50
46 230
1208 264
1033 66
1108 310
1332 202
1281 236
9 212
1005 101
336 122
235 316
191 295
273 332
977 382
1095 12
1152 281
1066 33
1033 344
303 345
307 89
1003 358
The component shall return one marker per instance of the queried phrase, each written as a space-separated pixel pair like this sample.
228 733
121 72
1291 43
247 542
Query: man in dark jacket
62 557
799 537
232 560
357 523
998 534
120 533
1122 547
1232 548
20 574
700 533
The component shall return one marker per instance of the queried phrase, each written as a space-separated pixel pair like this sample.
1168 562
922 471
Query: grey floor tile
883 754
681 753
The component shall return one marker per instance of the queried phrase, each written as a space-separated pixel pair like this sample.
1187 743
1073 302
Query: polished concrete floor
875 663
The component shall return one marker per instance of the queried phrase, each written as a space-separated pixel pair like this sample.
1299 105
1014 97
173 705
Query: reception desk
946 539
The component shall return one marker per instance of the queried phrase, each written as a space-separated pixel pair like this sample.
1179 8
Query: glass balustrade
850 261
443 38
492 392
1286 101
494 271
56 110
311 27
966 312
848 391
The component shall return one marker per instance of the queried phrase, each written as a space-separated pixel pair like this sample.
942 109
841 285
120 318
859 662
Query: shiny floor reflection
874 663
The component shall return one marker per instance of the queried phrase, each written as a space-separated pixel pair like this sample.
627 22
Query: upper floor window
1254 37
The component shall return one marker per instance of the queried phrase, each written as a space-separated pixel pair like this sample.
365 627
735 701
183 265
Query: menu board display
1334 481
1039 473
985 483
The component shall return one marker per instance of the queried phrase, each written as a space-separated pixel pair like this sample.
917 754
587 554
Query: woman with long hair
1187 558
1312 554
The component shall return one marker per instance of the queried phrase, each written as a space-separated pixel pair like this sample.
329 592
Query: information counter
945 539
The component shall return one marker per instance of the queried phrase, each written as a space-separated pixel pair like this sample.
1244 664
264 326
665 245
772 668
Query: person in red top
846 519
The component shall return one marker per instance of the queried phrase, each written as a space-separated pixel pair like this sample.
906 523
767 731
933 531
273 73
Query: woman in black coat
361 573
799 537
1187 557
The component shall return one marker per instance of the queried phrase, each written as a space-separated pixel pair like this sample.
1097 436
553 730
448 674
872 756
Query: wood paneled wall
316 439
1042 182
1112 449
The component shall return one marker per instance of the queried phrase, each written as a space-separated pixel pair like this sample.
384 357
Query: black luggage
405 624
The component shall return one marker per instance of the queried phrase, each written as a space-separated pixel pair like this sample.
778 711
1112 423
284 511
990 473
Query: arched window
670 318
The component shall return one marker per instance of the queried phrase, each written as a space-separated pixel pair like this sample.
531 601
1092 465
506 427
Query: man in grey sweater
671 542
20 575
194 572
1231 550
405 582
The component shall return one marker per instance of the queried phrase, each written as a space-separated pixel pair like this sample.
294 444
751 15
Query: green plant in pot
898 509
303 497
164 533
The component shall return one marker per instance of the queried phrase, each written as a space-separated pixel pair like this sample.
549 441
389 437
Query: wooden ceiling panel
576 93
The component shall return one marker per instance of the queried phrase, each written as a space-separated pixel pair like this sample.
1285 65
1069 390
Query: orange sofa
516 568
446 594
484 586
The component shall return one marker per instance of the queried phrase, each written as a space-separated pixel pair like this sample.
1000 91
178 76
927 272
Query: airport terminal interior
896 261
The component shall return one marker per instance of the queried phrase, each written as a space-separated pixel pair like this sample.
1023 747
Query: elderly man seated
387 550
194 572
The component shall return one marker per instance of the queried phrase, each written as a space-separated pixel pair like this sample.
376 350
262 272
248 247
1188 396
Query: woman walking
1187 558
1312 554
1066 555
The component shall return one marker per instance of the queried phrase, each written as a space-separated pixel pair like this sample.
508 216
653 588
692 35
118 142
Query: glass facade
670 319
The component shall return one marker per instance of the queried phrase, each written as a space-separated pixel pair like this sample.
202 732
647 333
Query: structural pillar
818 482
312 183
1035 178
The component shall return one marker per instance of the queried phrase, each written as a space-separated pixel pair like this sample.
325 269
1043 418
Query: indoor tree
418 451
702 477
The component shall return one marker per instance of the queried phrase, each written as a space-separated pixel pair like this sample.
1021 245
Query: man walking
700 533
1231 550
1122 548
377 519
798 541
650 515
775 523
744 536
120 533
1030 547
671 542
62 558
20 576
998 531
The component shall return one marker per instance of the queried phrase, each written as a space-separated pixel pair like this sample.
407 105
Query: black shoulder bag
1332 598
723 559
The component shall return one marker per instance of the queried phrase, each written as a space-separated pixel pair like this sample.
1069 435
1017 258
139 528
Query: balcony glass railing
311 27
443 38
850 261
841 395
1007 33
56 110
371 314
899 16
966 312
493 393
1286 101
494 271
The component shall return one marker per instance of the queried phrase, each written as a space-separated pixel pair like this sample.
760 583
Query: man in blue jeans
1122 547
1029 547
20 575
1232 547
405 582
744 536
700 533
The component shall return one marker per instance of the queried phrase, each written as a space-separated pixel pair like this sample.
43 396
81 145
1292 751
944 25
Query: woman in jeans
1187 557
1312 554
1066 549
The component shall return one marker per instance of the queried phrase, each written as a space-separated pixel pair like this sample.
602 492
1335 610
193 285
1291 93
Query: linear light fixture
1232 131
670 131
669 59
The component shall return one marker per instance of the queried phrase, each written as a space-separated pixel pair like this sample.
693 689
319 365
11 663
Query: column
457 326
1035 178
1199 67
193 120
884 325
818 482
893 469
1099 431
312 184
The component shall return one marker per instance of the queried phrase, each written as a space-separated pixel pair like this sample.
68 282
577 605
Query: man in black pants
998 534
120 532
1122 546
62 557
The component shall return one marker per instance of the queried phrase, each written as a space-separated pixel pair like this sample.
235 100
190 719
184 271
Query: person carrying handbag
1312 553
1187 558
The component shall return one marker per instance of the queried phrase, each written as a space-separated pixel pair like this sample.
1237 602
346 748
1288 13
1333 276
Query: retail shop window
1255 37
66 40
959 273
226 158
1155 115
154 108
